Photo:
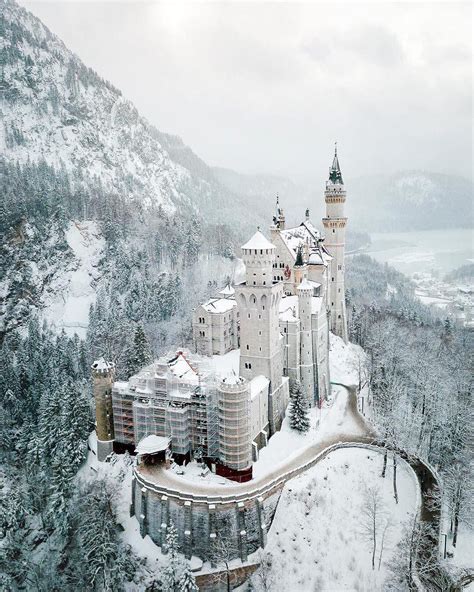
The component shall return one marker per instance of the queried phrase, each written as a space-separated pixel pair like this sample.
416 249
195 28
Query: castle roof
219 305
258 241
152 444
227 291
295 237
305 285
335 175
102 364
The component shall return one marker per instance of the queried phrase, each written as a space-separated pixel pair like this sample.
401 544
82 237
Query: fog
269 87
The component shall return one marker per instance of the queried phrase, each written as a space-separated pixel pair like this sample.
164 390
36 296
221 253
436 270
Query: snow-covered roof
102 364
289 306
288 315
303 234
258 384
227 291
305 285
258 241
226 364
219 305
152 444
181 368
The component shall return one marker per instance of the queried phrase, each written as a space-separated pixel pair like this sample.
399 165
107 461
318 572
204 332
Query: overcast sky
268 87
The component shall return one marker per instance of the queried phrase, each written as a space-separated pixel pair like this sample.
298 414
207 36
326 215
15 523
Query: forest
155 267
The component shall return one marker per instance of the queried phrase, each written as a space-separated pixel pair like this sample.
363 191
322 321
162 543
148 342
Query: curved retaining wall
243 518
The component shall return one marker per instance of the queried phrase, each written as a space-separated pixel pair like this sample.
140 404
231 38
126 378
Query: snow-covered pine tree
187 582
174 565
299 419
139 354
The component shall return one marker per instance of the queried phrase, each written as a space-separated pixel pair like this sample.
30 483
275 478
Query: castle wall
243 523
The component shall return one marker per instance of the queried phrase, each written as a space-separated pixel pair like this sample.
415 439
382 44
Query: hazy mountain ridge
410 200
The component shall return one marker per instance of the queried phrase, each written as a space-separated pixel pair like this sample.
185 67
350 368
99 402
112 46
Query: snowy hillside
318 539
73 291
58 109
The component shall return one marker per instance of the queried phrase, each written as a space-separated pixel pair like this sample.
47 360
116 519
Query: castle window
332 279
250 366
338 316
247 346
333 230
264 283
259 332
339 290
339 267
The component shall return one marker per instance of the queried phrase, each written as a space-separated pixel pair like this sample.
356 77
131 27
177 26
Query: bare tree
384 538
372 517
223 550
264 579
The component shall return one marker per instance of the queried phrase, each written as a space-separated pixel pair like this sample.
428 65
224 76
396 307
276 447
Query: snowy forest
171 228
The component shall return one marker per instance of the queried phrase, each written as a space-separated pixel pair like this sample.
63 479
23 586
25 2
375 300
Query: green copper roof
335 175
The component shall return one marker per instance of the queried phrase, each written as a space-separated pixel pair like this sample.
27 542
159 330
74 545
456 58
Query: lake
430 251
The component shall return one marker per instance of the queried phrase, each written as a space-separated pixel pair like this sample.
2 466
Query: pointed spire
335 174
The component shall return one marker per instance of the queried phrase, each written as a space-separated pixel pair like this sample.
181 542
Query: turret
103 373
235 450
300 269
258 255
335 225
305 297
279 217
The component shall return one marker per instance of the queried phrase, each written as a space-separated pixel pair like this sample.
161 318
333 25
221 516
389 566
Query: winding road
359 432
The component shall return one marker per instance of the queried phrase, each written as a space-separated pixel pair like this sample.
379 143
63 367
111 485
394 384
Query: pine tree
299 419
174 565
187 582
139 354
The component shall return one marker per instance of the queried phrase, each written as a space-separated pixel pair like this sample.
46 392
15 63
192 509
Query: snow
332 421
151 444
226 365
219 305
258 241
258 384
305 285
227 291
181 368
316 536
102 364
74 291
345 360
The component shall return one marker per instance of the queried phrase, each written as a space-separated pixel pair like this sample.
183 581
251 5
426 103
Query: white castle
252 342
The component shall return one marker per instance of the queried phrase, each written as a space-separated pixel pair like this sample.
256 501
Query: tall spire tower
335 227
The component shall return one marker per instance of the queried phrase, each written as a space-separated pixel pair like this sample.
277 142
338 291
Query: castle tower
305 295
279 217
335 227
235 450
300 269
258 301
103 377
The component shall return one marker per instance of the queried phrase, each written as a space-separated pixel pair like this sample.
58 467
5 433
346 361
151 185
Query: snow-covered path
350 426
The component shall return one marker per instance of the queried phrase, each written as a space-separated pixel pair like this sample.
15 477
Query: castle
252 343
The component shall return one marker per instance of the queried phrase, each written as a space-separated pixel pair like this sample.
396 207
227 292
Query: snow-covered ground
316 538
67 306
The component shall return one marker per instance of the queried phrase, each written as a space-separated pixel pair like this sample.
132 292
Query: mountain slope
57 109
